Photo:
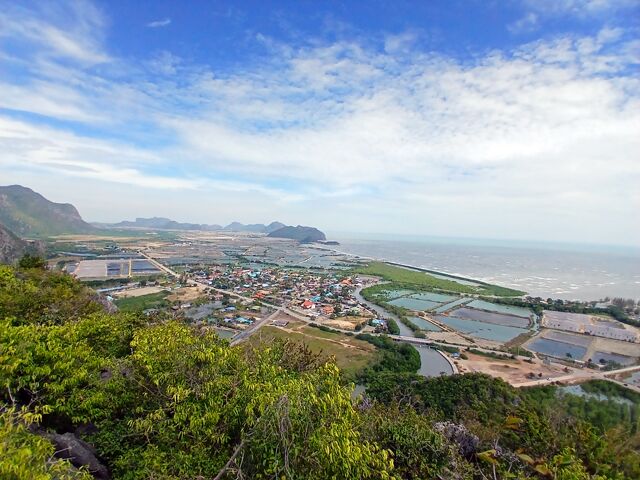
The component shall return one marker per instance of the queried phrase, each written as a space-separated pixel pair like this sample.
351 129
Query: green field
404 278
351 355
143 302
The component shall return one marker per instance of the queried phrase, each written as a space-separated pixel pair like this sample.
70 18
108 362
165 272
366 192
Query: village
325 298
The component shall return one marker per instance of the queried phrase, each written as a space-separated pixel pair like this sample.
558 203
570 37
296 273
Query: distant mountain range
26 213
160 223
168 224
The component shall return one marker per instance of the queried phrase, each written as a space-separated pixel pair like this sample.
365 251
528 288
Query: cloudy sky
514 119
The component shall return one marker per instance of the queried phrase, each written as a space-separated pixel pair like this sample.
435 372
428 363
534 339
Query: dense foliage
396 357
166 400
539 429
33 295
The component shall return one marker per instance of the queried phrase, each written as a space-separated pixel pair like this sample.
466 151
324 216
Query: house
308 305
327 309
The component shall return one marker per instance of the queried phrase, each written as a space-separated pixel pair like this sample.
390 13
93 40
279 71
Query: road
406 335
256 326
159 265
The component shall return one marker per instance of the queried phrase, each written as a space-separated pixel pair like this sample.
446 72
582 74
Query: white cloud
541 134
527 23
159 23
537 11
578 8
70 30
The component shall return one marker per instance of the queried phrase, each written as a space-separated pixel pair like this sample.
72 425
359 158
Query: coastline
413 267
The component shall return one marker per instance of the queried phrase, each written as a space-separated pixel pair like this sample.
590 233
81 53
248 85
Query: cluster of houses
308 292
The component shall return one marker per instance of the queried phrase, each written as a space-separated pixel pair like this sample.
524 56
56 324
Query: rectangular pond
398 293
498 308
414 304
451 305
612 357
490 317
488 331
557 349
423 324
572 338
434 297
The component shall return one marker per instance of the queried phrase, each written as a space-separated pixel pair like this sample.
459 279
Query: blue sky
514 119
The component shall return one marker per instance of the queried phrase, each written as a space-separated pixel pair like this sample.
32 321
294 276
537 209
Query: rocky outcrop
12 248
78 452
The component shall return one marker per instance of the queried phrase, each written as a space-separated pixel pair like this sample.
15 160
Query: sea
565 271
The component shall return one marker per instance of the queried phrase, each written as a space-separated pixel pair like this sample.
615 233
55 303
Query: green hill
28 214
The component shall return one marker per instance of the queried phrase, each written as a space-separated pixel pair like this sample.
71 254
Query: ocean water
570 272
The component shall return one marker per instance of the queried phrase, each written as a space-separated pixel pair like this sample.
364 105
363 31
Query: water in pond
496 307
423 324
434 297
612 357
449 306
432 363
488 331
224 333
557 349
490 317
572 338
398 293
580 392
633 378
414 304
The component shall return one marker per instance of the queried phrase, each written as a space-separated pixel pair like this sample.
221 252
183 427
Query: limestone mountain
12 248
28 214
299 233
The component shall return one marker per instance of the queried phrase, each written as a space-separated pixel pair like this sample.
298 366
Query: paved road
255 327
407 336
159 265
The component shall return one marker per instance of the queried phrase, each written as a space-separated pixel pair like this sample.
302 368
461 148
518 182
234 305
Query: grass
143 302
401 277
351 355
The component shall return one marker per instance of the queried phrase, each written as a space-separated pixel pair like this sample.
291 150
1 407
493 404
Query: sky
511 119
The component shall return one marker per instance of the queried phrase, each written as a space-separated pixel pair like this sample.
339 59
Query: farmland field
142 302
351 354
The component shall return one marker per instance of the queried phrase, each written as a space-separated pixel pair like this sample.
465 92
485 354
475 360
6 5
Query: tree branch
228 464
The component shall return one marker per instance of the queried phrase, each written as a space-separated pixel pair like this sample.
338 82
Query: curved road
407 335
